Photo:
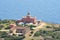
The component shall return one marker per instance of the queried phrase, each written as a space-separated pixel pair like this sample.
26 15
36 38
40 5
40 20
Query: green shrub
31 32
32 39
7 28
3 34
48 27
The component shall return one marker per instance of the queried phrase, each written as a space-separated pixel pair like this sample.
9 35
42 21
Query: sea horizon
46 10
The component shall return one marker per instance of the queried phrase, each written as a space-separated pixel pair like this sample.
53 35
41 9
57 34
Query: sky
46 10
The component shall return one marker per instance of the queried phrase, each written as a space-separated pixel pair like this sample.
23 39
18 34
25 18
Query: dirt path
27 37
38 28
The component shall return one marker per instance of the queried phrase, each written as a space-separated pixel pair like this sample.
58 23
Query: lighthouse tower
28 19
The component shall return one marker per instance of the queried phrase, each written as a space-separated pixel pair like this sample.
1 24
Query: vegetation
1 26
3 34
53 33
7 27
48 27
15 38
8 37
32 26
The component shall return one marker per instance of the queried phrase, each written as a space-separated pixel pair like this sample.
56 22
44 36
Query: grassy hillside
43 31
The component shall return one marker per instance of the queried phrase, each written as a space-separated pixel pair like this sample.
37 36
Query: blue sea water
46 10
